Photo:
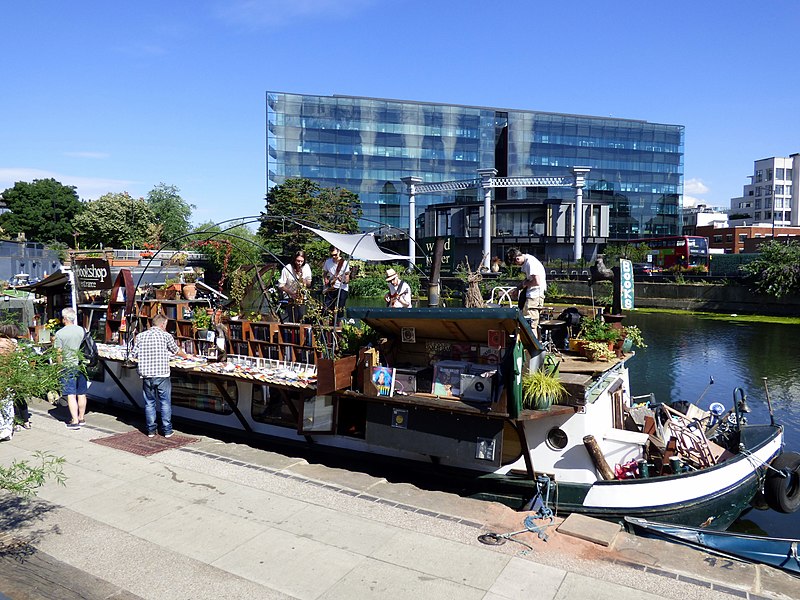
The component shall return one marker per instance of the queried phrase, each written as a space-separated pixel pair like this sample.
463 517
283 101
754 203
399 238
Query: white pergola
488 181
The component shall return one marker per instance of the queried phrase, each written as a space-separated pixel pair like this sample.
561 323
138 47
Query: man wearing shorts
68 342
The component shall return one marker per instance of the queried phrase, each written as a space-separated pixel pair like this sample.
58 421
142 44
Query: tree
115 220
42 210
227 250
171 211
302 200
776 272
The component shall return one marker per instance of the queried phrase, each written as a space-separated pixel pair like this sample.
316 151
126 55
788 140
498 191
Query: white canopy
359 246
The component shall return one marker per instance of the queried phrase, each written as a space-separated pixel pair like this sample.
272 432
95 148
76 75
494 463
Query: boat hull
713 497
781 553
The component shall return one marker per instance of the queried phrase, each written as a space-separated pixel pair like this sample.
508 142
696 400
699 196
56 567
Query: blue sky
113 97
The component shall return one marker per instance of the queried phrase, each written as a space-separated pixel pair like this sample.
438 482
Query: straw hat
390 274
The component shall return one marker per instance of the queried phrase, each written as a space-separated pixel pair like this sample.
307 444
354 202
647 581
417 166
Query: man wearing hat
399 295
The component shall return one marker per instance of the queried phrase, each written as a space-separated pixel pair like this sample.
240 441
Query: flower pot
189 291
335 374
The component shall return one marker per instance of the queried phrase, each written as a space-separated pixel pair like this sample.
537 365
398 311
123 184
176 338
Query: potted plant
542 389
632 336
170 289
202 321
598 351
189 277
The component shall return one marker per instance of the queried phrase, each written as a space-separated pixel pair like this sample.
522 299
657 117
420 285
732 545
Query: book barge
454 406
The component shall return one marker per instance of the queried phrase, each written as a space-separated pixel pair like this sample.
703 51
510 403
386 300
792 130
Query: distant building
27 258
699 216
736 239
773 194
370 145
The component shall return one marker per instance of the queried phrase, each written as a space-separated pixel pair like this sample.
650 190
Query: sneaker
73 426
167 435
81 421
26 425
151 434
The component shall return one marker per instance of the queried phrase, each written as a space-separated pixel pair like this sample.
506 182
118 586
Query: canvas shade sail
359 246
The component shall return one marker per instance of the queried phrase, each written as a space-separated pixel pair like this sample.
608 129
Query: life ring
782 490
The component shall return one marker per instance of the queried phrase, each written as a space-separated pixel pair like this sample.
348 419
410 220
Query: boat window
276 406
203 393
318 414
556 439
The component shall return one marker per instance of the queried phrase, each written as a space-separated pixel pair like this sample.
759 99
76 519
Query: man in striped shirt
153 349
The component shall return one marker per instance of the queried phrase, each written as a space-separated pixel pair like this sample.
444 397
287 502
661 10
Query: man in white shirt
336 278
532 288
399 295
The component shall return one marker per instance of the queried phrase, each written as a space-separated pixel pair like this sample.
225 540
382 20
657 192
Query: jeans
157 389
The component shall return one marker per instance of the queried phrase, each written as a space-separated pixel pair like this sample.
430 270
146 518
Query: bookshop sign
92 274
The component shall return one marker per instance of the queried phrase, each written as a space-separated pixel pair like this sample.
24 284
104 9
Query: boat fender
782 484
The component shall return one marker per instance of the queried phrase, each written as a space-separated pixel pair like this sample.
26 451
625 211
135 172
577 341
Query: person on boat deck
153 349
68 341
295 279
336 277
399 295
532 288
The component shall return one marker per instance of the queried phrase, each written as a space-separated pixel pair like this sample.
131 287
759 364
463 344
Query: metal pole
486 185
412 219
580 180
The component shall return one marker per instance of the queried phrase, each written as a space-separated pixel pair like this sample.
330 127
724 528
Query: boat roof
457 324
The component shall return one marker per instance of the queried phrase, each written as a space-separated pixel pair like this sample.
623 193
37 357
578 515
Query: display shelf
120 308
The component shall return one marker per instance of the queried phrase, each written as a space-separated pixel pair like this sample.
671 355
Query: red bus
684 250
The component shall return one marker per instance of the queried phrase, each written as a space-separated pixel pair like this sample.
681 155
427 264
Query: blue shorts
74 383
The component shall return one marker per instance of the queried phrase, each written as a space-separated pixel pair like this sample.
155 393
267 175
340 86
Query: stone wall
697 297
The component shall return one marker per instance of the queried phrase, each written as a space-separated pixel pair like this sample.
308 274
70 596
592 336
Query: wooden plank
28 574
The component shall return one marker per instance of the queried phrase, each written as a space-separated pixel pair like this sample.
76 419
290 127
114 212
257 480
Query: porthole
556 439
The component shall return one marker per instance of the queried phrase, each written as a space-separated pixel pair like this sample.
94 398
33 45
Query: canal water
684 351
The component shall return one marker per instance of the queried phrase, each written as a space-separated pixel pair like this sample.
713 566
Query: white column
411 182
486 185
580 180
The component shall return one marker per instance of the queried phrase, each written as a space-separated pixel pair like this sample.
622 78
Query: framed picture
408 335
383 380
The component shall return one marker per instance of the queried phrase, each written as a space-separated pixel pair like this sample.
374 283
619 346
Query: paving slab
444 558
292 565
521 579
578 586
592 530
378 580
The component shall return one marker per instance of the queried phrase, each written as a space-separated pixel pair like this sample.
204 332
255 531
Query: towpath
212 519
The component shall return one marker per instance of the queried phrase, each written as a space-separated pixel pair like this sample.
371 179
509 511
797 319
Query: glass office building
368 145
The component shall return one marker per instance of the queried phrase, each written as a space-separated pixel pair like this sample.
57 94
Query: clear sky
111 97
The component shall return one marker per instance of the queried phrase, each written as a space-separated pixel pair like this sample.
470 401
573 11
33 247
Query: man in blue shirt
153 349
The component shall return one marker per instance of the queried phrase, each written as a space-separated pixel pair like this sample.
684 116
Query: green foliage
776 271
25 374
597 351
43 210
634 252
201 319
302 200
634 334
237 246
541 389
597 330
115 220
371 281
353 337
555 292
23 478
171 212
